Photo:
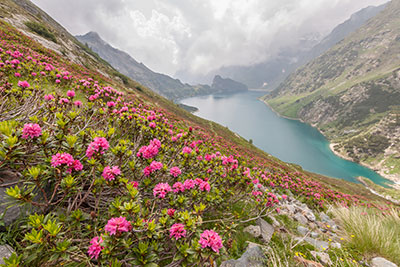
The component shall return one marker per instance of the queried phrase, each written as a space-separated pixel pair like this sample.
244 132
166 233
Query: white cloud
201 35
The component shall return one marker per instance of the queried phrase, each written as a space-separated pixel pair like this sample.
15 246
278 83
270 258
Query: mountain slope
352 93
124 63
271 73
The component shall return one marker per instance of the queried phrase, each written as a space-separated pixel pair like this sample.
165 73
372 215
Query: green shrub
41 30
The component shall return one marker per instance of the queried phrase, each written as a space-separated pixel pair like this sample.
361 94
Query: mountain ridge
351 93
127 65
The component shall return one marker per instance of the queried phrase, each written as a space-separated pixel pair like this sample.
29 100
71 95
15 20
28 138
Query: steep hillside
97 171
124 63
352 93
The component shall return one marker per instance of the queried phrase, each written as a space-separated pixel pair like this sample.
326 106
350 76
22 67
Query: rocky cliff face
226 85
124 63
352 92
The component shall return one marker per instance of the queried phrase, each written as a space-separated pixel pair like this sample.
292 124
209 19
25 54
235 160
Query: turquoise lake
289 140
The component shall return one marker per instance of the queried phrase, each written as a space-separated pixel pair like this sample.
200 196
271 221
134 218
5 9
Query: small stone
254 230
382 262
310 216
300 218
324 217
314 234
323 257
318 244
336 245
291 209
267 230
302 230
5 252
275 223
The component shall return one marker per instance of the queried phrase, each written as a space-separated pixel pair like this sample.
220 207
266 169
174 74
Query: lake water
288 140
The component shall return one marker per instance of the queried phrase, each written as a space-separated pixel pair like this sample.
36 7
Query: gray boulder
267 230
253 257
5 252
300 218
323 257
302 230
382 262
254 230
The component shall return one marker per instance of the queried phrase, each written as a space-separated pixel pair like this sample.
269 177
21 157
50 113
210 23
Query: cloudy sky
197 36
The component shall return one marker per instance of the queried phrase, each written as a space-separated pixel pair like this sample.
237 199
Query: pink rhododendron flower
109 173
135 184
66 159
155 165
31 130
186 150
210 239
77 165
177 231
178 187
161 190
175 171
63 101
78 103
111 104
151 150
71 93
48 97
171 212
23 84
189 184
95 249
58 81
204 186
117 225
17 74
152 125
99 145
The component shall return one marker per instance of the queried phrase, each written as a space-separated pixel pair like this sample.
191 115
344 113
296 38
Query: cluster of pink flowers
78 103
48 97
23 84
109 173
95 249
211 239
171 212
71 93
177 231
186 150
154 166
161 190
189 184
175 171
31 130
151 150
117 225
152 125
99 145
66 159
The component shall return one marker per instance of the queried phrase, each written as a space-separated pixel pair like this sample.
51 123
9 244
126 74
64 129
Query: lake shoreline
380 171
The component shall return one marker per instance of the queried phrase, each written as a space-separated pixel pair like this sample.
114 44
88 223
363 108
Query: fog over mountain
199 36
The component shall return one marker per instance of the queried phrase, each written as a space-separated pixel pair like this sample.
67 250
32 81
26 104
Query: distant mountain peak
127 65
